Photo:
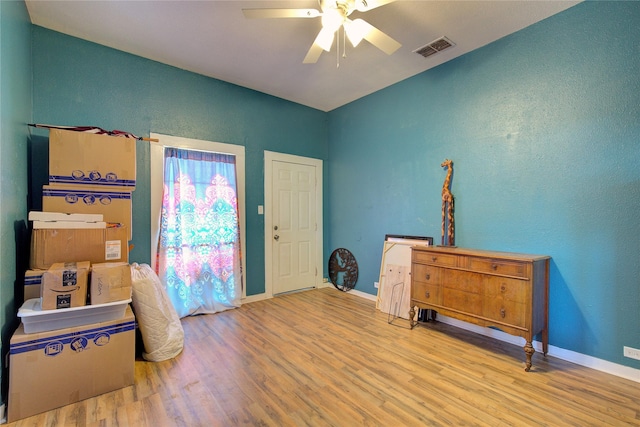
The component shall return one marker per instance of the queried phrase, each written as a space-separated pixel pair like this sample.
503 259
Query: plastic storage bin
35 319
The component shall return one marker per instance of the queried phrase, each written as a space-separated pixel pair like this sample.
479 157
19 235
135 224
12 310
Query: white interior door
293 224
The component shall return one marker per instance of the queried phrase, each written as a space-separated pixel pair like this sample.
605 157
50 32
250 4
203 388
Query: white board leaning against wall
394 285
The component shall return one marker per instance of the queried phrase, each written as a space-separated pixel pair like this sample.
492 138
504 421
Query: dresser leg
529 350
412 313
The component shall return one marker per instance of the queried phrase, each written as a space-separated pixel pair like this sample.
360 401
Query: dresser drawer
427 293
435 258
463 301
426 273
506 288
504 311
508 268
462 280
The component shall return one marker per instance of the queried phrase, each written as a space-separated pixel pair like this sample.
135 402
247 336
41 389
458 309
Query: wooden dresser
507 291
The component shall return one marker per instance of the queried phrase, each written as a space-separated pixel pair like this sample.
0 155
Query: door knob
276 237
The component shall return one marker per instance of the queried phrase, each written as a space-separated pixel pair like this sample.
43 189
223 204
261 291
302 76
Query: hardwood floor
328 358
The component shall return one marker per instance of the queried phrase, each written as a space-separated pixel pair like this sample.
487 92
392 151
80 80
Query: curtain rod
96 131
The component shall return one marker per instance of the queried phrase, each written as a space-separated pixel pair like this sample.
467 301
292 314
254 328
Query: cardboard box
67 245
64 285
32 282
110 282
113 203
48 370
88 159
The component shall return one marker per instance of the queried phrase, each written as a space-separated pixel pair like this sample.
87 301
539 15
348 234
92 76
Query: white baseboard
255 298
363 295
264 295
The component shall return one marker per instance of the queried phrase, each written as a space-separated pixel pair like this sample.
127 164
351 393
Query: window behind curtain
199 238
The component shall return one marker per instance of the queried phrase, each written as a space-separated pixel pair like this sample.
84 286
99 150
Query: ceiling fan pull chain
344 42
338 49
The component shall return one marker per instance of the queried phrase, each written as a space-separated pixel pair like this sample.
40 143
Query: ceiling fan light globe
332 19
356 31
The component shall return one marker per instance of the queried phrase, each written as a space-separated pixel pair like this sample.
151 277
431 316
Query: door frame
269 158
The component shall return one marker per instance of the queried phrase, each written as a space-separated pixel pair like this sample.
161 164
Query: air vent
434 47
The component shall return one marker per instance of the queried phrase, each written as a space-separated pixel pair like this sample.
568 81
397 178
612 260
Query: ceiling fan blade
313 54
377 37
323 41
365 5
280 13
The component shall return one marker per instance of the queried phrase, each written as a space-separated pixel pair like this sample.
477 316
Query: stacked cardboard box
64 247
64 351
64 285
110 282
91 174
113 203
50 246
106 282
91 179
56 368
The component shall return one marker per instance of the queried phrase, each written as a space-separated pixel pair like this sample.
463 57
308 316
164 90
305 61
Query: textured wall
15 108
543 127
81 83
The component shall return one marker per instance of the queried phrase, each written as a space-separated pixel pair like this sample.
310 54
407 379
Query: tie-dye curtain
199 246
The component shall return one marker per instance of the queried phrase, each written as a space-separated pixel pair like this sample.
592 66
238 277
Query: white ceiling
213 38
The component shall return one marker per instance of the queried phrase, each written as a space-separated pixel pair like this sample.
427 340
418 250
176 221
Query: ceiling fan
335 14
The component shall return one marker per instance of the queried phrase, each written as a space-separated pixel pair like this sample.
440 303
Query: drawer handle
434 259
503 312
494 266
428 277
427 294
503 288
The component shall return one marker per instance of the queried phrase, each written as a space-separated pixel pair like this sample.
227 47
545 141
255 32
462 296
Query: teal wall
543 127
15 112
80 83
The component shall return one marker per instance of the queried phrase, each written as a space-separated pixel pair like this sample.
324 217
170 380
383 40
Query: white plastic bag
159 324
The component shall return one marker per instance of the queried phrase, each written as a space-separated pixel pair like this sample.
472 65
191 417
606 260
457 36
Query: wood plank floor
328 358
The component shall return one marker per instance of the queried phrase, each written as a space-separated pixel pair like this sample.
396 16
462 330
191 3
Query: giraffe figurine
447 206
